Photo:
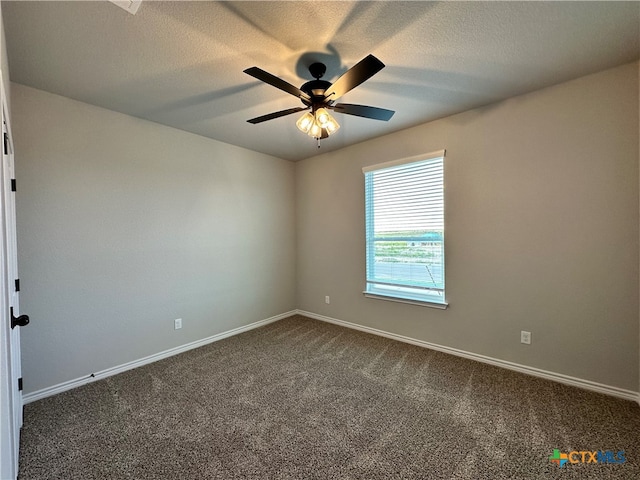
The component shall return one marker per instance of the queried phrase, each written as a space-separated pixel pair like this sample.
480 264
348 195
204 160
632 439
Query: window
404 207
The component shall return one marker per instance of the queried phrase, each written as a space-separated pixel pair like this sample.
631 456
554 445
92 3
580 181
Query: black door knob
20 321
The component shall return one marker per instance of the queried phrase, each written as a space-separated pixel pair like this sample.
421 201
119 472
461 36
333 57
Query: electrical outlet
525 337
327 300
177 324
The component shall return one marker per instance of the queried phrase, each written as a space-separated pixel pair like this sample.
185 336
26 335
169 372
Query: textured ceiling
181 63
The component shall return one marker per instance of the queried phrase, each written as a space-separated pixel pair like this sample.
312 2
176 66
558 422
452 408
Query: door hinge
13 184
17 282
20 384
6 143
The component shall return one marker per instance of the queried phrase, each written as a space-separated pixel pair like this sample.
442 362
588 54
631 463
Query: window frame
414 295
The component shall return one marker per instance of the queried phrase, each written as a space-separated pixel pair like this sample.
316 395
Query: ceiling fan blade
365 111
276 82
281 113
353 77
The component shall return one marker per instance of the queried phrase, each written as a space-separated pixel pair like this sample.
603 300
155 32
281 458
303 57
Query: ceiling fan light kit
320 96
317 124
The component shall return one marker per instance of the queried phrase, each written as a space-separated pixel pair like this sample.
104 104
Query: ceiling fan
319 96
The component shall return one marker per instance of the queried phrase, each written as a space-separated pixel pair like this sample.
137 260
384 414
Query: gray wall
4 62
125 225
541 230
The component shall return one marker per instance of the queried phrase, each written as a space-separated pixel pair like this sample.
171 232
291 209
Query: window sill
410 301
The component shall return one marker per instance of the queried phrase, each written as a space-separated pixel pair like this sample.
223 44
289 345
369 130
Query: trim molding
536 372
62 387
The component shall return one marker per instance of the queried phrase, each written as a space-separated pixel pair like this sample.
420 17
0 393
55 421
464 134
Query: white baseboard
536 372
62 387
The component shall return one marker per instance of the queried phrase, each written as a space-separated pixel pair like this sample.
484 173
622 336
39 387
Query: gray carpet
302 399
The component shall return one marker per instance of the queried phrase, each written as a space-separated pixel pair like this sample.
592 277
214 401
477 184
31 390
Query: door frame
10 368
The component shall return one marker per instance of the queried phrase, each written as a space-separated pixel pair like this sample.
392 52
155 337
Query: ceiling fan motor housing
315 89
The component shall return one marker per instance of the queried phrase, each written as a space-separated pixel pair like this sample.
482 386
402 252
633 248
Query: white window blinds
404 207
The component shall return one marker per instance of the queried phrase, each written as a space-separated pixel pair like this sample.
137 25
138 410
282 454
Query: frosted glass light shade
322 116
315 131
331 126
305 122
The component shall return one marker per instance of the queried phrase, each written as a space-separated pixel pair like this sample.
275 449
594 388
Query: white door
10 371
